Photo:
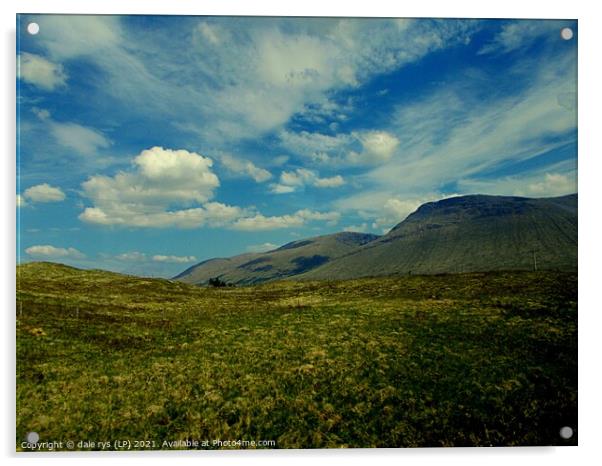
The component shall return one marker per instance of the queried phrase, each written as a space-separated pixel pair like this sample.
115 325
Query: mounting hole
566 33
33 28
32 437
566 432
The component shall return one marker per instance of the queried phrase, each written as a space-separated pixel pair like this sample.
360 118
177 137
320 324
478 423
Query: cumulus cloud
174 259
245 168
159 178
43 193
172 188
291 180
42 73
332 182
51 252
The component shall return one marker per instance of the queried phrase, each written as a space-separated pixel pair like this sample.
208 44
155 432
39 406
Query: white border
590 200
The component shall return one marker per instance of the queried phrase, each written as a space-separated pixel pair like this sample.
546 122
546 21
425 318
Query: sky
146 144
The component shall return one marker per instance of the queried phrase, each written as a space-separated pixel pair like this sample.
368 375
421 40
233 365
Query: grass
448 360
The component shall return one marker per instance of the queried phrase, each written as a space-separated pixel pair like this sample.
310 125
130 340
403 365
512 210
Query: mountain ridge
471 233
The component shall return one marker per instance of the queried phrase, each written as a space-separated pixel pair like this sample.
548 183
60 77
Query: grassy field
449 360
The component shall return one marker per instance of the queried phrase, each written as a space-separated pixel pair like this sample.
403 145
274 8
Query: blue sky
147 144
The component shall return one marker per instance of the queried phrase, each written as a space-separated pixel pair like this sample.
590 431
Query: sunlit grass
475 359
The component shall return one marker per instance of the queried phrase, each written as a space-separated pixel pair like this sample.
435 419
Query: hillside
291 259
405 361
469 234
460 234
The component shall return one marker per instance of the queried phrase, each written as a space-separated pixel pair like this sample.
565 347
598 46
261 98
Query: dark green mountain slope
468 234
291 259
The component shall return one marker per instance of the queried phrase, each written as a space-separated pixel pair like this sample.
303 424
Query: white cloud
73 36
44 193
378 146
362 228
133 256
245 167
269 71
543 183
51 252
21 202
357 148
291 180
278 188
260 222
553 184
521 34
455 134
158 179
332 182
298 219
40 72
298 177
396 210
210 32
384 209
264 247
172 188
174 259
318 147
81 139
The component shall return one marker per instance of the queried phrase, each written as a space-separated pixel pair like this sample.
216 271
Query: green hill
469 234
291 259
472 233
403 361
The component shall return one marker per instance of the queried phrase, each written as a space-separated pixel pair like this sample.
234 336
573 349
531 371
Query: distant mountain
469 234
459 234
289 260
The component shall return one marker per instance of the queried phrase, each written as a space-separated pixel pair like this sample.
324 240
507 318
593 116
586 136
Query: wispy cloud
291 180
73 136
174 259
244 167
520 34
263 247
554 180
298 219
269 71
42 73
456 134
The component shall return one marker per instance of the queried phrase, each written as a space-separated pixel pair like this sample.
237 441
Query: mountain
459 234
289 260
469 234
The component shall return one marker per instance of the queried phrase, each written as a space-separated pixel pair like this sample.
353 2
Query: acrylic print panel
247 232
